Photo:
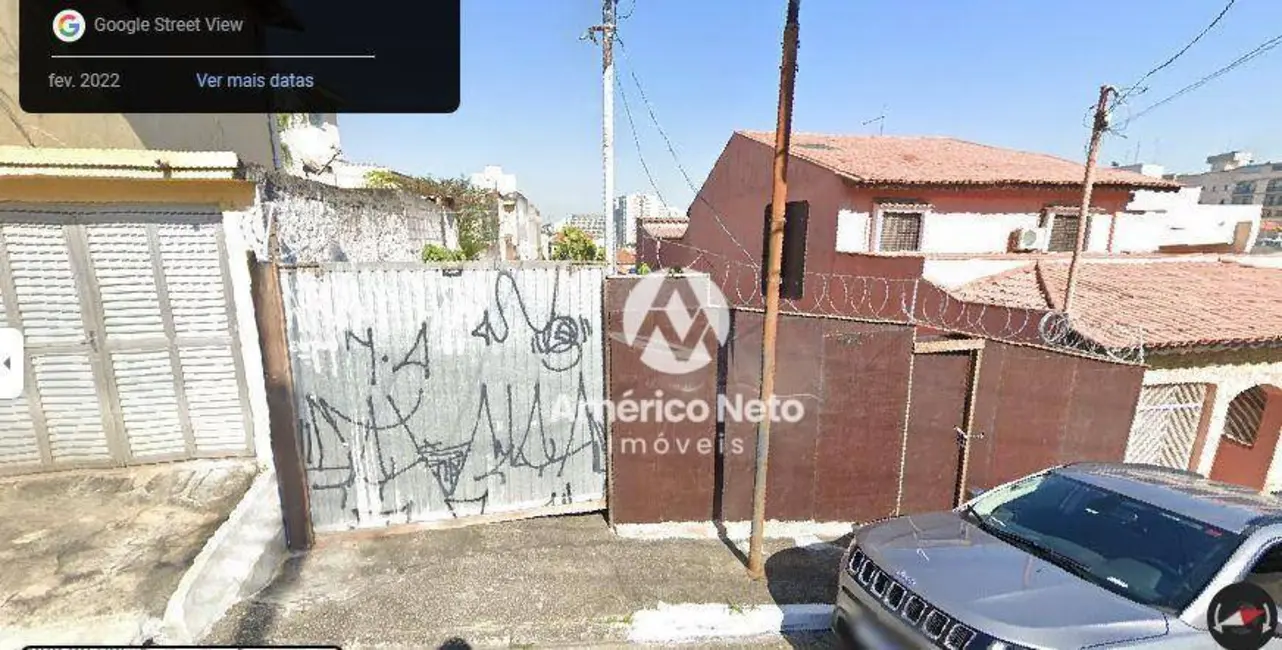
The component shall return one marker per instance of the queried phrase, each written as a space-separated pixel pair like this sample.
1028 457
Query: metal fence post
273 341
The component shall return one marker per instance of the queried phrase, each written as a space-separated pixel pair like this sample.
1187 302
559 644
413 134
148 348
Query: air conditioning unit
1031 239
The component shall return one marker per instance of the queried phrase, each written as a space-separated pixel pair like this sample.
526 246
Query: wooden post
291 475
774 258
1088 183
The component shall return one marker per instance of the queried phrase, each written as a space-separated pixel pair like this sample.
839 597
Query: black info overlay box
239 56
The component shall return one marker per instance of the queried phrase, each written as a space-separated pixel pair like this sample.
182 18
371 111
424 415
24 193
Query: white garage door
130 334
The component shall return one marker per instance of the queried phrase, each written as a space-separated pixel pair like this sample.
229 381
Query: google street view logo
680 322
68 25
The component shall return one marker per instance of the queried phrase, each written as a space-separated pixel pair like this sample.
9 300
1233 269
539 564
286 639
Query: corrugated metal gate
428 393
1166 425
130 334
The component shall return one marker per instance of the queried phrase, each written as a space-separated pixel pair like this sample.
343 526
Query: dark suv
1078 556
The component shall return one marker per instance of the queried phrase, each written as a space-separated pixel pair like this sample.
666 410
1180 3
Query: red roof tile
923 160
1166 304
665 228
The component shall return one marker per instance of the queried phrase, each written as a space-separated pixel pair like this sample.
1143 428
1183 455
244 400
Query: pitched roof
929 160
665 228
1168 304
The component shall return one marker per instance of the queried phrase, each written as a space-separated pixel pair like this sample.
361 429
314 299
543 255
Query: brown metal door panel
941 387
1100 411
634 471
1031 412
793 444
861 419
741 370
987 392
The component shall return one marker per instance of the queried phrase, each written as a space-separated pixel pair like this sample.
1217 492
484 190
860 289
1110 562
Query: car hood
1001 590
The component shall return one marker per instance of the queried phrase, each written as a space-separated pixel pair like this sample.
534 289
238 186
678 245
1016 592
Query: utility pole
774 258
607 127
1097 132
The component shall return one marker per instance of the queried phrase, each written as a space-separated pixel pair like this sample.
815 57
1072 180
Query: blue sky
1020 74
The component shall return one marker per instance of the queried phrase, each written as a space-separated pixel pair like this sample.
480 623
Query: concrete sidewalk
567 581
93 556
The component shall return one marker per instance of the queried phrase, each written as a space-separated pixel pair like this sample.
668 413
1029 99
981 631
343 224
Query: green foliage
434 253
575 245
643 269
476 209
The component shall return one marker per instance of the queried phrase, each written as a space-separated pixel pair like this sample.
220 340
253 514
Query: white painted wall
1179 218
852 231
237 229
966 232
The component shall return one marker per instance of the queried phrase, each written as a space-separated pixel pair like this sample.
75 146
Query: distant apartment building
630 209
520 223
592 224
1236 179
493 178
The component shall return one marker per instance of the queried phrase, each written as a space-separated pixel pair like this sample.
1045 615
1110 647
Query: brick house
881 205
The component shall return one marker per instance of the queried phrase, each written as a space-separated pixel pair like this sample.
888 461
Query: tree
435 253
476 209
573 244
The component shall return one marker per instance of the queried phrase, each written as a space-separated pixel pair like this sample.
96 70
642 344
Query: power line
1136 86
636 140
1258 51
673 151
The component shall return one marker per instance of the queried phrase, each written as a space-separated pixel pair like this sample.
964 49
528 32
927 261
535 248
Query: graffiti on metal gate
437 399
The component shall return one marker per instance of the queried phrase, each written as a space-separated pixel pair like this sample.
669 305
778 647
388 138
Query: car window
1267 572
1127 546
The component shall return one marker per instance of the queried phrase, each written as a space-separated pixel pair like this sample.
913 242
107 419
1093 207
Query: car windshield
1140 551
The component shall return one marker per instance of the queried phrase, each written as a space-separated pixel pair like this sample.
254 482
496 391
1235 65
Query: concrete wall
321 223
1231 373
240 253
247 135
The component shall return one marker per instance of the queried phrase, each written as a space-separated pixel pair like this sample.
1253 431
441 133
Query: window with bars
1246 412
1064 232
900 231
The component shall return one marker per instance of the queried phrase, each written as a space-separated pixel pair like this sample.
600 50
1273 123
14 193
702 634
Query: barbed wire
672 150
917 302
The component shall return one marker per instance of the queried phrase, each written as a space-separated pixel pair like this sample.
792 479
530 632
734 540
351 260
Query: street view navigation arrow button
11 363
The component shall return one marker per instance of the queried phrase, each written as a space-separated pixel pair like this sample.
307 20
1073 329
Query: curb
734 530
119 629
240 559
705 622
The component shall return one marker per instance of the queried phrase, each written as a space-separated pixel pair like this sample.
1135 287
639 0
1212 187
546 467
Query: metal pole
1097 132
607 127
774 257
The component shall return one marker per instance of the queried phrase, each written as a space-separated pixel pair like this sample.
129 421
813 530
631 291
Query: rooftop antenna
880 120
